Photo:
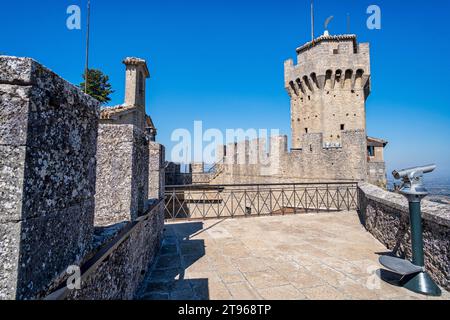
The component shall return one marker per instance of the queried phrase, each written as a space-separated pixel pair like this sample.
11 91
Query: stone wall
122 174
386 216
376 173
313 163
48 134
156 171
119 267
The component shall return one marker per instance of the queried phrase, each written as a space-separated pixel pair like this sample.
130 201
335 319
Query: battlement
264 161
329 63
328 88
253 151
258 151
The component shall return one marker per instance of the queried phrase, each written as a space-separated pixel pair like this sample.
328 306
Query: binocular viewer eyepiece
412 173
412 186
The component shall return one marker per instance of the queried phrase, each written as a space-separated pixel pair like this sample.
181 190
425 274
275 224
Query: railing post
328 198
348 199
218 202
270 201
295 206
282 201
317 198
232 196
204 196
245 203
173 204
358 200
257 196
338 193
306 199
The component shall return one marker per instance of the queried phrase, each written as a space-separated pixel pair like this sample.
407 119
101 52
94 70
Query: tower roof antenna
312 20
348 23
327 22
86 70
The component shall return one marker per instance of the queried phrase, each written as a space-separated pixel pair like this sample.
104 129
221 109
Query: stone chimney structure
132 111
136 75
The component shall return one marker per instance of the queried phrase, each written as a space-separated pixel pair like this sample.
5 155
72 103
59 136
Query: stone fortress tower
328 88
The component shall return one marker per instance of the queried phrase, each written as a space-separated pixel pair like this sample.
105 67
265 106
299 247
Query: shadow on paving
165 280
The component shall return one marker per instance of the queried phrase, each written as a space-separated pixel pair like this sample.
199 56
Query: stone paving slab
315 256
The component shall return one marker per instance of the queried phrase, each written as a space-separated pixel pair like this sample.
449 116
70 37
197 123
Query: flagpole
312 20
348 23
87 47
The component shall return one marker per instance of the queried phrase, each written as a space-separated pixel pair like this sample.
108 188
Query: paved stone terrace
316 256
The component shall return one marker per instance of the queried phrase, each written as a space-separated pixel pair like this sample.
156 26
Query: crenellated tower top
328 88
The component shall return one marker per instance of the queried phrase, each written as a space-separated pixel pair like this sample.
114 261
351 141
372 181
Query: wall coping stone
90 266
431 211
23 71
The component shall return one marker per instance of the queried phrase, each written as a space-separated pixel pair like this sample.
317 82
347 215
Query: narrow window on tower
371 151
306 130
342 127
141 84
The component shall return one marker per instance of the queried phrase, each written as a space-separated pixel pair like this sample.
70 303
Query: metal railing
216 201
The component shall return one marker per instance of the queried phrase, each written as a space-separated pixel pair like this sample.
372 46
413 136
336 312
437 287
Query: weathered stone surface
9 256
156 171
14 114
119 275
140 173
386 216
12 164
122 174
376 173
48 133
15 70
57 123
432 211
313 163
52 243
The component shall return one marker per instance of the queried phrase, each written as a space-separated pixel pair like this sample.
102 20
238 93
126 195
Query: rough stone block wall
156 171
122 174
48 134
313 163
386 216
376 173
172 173
119 273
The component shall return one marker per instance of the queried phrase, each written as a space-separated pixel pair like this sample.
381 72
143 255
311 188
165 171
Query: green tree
98 85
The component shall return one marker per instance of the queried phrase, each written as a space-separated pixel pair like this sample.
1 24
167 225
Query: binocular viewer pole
413 275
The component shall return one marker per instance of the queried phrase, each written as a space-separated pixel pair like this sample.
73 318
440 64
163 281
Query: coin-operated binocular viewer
413 275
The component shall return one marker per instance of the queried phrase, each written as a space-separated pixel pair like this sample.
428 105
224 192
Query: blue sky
222 61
